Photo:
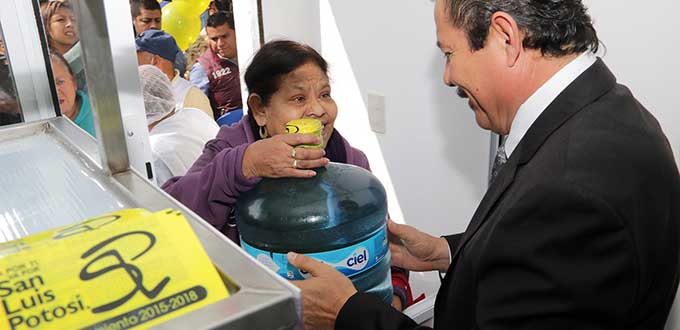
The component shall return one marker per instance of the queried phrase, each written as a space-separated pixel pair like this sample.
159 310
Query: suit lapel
589 86
493 193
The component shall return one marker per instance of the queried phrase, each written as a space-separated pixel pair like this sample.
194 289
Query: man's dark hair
223 5
220 18
137 5
555 27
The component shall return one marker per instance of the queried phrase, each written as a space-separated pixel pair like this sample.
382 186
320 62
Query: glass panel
62 33
10 112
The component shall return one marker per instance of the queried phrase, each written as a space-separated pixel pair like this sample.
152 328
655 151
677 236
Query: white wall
292 19
642 47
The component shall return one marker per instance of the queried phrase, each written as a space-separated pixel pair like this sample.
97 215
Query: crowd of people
208 86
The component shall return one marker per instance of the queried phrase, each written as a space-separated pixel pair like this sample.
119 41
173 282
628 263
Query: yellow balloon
199 6
180 21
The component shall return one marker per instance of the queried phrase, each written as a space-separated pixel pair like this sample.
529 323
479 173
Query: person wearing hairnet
177 136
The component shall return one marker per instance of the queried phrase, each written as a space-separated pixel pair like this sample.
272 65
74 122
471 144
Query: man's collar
226 58
529 111
222 57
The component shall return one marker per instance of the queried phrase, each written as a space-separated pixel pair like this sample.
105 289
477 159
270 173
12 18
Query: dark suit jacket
579 230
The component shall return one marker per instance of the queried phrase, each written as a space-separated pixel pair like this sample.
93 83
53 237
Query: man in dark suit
579 227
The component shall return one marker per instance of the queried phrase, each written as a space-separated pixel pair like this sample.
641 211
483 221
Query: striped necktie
500 159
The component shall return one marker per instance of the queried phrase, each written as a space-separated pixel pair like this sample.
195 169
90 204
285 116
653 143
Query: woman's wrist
247 168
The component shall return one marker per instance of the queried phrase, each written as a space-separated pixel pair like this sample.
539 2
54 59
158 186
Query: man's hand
323 294
277 157
414 250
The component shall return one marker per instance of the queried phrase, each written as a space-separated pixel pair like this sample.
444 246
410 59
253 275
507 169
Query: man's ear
156 60
257 109
504 29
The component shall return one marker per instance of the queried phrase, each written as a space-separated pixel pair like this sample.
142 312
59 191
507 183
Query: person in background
63 36
212 8
146 15
177 135
197 48
159 49
580 225
10 112
74 104
60 25
286 80
216 72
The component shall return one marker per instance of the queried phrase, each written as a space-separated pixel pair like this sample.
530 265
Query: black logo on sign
84 226
133 271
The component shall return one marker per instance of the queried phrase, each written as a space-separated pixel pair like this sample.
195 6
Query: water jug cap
306 126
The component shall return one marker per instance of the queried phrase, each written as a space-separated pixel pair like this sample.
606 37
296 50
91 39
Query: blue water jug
337 217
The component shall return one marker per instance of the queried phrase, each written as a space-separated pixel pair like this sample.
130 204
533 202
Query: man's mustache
461 93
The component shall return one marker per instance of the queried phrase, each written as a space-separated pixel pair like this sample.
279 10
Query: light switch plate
376 112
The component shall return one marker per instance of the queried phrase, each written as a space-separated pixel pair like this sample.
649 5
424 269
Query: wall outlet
376 112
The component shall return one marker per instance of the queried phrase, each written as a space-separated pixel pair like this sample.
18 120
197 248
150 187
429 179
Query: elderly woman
74 103
177 136
286 81
62 36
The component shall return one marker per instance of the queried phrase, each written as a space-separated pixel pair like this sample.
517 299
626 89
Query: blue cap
159 43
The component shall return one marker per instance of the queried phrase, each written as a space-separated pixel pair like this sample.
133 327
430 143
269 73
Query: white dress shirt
533 107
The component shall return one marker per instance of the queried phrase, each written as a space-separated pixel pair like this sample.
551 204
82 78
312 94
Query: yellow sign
127 269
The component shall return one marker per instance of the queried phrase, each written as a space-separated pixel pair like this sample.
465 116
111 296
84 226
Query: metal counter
52 177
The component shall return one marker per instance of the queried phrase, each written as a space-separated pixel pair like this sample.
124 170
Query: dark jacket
224 87
578 231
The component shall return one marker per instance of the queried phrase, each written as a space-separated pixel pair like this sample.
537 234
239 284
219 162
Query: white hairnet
157 91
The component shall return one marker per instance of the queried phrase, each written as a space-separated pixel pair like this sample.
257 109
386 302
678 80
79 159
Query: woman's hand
277 157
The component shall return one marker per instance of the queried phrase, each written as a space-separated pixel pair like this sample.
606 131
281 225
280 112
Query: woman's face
303 93
66 90
63 30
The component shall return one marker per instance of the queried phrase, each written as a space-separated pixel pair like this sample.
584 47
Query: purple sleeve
213 183
357 157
